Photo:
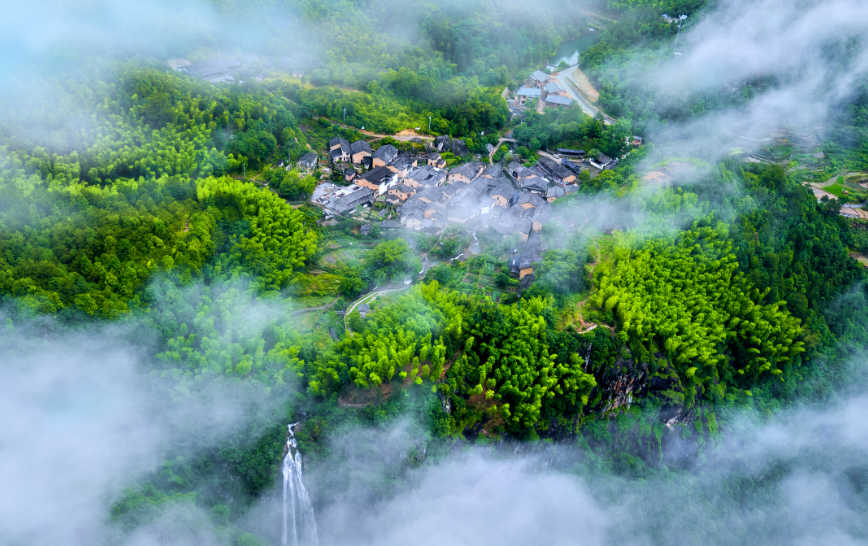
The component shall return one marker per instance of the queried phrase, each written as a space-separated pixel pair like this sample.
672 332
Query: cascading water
299 524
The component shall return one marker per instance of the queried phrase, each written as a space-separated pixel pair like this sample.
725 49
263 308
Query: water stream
299 523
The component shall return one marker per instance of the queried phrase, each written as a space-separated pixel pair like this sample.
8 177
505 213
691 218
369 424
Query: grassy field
835 189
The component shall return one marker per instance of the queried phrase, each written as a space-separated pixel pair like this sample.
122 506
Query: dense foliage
687 300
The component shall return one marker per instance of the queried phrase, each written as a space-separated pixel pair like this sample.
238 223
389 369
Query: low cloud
801 478
84 421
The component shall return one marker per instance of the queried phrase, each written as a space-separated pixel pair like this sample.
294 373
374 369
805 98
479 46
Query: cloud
799 478
83 422
797 60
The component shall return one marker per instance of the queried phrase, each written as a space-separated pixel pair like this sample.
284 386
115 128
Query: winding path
370 296
309 309
494 151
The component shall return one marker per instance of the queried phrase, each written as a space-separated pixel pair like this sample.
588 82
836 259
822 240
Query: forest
156 208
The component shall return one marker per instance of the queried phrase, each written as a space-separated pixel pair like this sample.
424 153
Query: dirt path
585 86
849 174
309 309
376 136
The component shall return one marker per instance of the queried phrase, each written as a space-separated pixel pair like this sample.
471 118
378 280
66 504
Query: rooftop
529 92
557 99
540 76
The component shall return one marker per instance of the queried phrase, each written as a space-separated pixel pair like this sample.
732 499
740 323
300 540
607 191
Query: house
520 172
558 101
515 220
384 155
603 162
535 184
413 213
525 93
575 167
434 160
530 256
425 176
401 165
637 140
492 171
308 161
365 229
469 201
364 309
557 171
540 78
514 260
465 173
555 192
449 190
349 174
339 149
358 150
528 200
502 192
540 215
571 152
343 200
378 180
401 191
431 196
552 88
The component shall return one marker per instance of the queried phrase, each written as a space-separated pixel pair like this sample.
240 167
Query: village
509 199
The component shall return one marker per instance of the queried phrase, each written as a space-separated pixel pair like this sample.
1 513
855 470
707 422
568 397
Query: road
494 151
370 296
375 136
565 80
309 309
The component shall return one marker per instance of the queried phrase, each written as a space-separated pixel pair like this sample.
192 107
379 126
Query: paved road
369 297
494 151
564 78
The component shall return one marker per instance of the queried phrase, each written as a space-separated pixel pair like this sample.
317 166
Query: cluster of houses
543 87
511 200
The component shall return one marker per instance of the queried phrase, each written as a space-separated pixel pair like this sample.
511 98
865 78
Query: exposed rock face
459 148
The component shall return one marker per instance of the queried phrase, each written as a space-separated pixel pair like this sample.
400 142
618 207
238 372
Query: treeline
572 128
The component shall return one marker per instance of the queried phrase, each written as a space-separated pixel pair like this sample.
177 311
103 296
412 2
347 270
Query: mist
800 477
751 68
87 418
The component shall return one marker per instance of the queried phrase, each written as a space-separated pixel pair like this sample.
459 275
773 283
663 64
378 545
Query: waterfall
299 524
